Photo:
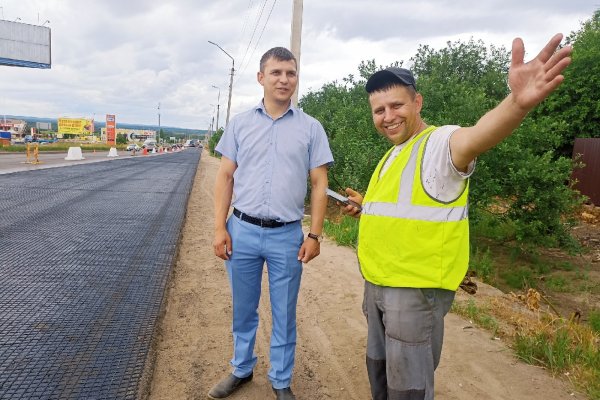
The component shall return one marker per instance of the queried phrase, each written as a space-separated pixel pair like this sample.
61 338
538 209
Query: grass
344 232
519 278
477 314
558 284
564 348
594 320
561 346
481 263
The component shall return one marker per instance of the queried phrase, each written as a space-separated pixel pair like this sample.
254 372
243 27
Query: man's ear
259 77
419 101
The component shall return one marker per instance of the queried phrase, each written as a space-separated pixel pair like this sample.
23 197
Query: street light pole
218 104
230 80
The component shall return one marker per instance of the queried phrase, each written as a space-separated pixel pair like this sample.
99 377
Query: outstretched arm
530 83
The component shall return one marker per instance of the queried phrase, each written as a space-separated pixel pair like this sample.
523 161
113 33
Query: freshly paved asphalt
85 254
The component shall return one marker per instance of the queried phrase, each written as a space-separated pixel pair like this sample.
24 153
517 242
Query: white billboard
24 45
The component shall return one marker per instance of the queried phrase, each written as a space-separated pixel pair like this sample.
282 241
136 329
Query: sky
126 57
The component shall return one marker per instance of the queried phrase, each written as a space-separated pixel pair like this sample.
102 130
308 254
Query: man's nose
388 115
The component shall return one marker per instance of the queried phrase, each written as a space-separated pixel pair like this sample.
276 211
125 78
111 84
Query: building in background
16 127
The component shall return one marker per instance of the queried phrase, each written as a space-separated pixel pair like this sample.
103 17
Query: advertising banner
76 126
111 126
24 45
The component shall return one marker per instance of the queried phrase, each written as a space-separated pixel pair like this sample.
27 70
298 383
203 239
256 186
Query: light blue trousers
252 247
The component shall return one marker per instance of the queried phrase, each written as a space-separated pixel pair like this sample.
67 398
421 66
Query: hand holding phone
342 199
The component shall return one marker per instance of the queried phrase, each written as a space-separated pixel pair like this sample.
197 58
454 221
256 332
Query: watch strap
318 238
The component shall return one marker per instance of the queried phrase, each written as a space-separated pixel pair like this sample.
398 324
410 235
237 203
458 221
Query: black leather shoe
284 394
227 386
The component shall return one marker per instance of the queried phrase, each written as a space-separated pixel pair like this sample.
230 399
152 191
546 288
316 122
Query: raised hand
532 82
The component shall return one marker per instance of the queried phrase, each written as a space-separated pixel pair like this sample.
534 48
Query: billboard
24 45
111 126
43 126
131 134
76 126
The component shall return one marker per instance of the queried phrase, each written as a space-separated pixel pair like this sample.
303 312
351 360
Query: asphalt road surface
85 254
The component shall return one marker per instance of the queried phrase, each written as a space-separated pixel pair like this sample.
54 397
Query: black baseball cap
390 75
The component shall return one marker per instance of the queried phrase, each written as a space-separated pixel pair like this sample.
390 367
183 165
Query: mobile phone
342 199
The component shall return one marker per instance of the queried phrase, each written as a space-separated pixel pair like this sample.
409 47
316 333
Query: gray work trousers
405 336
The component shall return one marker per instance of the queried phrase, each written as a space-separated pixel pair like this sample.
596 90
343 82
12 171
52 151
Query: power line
254 30
258 41
244 28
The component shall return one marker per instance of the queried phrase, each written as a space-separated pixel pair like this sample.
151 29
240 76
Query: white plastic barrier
113 152
74 154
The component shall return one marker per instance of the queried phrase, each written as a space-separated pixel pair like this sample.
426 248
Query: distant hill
170 130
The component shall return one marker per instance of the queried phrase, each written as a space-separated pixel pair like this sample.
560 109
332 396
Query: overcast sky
123 57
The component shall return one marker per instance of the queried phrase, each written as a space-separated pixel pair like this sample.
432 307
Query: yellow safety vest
407 238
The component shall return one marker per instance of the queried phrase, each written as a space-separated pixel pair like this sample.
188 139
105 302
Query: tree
525 173
575 106
214 139
121 138
344 112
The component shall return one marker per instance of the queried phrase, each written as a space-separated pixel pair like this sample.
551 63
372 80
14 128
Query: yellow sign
75 126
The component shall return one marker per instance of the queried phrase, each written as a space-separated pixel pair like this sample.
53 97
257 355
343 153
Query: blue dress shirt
273 160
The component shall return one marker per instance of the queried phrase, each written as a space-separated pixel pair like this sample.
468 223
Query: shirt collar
261 106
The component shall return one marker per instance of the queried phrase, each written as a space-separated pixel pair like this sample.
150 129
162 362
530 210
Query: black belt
263 223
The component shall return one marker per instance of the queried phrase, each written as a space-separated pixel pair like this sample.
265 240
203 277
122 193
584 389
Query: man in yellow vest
413 244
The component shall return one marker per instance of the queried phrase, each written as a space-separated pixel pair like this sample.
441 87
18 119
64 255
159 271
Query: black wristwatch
318 238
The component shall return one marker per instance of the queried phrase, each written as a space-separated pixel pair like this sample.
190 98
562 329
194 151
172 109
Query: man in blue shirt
268 153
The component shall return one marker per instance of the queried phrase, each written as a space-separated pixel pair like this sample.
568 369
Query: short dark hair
278 53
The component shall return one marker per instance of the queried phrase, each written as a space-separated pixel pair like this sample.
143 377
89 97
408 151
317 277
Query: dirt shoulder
194 343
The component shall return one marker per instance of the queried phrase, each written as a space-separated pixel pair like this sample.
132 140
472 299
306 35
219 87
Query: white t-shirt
441 179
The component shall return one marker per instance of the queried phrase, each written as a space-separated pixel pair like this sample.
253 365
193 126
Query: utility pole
296 41
158 133
218 104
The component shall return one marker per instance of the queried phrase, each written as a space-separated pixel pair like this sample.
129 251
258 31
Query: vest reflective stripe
412 240
422 213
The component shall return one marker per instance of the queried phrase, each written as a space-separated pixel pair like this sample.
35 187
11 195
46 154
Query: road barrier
74 154
33 156
113 152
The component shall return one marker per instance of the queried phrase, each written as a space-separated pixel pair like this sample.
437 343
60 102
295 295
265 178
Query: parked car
192 143
149 144
133 146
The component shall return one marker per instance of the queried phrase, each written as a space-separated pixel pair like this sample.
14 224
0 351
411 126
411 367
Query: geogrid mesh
85 253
